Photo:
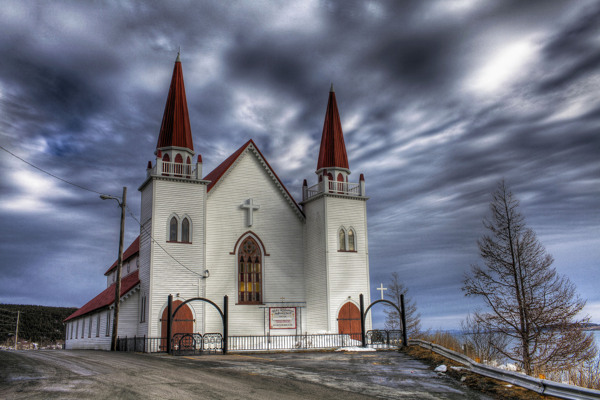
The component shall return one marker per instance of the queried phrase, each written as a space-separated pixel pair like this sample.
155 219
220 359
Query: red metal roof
107 297
175 128
132 250
333 148
220 170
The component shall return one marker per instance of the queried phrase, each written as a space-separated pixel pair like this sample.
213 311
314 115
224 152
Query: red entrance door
349 321
183 322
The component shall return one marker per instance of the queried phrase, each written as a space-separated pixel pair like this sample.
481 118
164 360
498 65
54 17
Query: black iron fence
383 339
142 344
195 343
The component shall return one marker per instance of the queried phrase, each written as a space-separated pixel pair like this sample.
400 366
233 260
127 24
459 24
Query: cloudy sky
439 100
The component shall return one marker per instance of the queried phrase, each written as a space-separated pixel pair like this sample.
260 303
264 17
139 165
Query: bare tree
526 299
393 320
487 346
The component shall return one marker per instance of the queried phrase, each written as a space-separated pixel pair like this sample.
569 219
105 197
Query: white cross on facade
382 289
250 207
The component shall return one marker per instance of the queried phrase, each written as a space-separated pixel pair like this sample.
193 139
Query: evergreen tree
526 299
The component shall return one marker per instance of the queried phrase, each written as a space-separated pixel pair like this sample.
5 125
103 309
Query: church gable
249 149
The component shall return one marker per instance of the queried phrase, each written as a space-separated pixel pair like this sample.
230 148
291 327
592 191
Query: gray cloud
83 87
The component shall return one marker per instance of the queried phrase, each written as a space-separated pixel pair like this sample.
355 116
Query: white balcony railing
334 187
177 170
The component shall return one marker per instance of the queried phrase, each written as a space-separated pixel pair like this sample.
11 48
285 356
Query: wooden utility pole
17 329
122 203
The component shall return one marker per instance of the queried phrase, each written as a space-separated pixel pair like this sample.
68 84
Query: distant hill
39 324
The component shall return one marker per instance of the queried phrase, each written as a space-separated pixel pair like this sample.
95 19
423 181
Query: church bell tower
172 237
336 245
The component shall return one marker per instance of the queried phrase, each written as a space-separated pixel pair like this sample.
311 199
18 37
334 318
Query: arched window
173 230
185 230
342 239
351 242
249 273
178 165
340 185
165 167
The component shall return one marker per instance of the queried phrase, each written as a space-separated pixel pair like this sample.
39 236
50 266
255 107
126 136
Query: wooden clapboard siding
146 251
348 272
278 226
127 326
167 276
316 266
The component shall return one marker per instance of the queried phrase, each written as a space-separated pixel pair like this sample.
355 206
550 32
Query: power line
158 244
94 191
49 173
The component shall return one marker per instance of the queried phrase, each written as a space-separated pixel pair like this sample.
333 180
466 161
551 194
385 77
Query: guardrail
541 386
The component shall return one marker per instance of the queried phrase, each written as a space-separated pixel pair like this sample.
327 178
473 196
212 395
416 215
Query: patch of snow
508 367
441 368
355 348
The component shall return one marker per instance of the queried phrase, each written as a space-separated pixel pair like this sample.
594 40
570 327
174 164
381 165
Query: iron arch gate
222 313
363 314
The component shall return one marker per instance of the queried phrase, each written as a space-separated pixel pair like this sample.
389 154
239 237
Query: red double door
349 321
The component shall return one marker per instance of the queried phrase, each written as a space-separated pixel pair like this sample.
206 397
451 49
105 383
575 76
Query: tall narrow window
77 330
173 230
249 273
342 240
166 167
143 310
83 328
351 243
185 230
340 185
98 325
107 323
71 330
178 165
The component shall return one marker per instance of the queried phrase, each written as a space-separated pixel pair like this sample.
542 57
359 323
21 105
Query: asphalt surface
83 374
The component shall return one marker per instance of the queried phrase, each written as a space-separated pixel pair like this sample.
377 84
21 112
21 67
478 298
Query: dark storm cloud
83 88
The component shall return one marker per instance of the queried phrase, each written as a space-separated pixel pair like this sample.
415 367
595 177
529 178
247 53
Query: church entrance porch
349 321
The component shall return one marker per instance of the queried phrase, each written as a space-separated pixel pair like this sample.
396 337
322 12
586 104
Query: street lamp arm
107 197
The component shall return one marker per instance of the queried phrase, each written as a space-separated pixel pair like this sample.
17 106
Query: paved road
105 375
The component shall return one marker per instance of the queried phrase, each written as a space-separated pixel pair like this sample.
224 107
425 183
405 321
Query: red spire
175 128
333 149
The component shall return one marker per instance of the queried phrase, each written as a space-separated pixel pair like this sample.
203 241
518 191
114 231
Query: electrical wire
158 244
94 191
49 173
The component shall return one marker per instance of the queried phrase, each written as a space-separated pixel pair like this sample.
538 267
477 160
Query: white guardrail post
541 386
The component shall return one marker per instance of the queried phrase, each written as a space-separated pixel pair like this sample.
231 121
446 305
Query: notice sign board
282 317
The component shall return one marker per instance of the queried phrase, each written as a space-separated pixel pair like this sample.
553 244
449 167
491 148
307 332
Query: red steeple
175 128
333 149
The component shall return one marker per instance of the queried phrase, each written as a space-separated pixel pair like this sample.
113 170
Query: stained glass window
249 273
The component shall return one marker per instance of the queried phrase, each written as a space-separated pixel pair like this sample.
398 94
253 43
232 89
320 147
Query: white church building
287 267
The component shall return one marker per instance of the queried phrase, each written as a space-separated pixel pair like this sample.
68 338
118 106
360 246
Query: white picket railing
333 187
178 170
541 386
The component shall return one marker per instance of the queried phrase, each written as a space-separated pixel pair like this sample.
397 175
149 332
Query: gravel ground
56 374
